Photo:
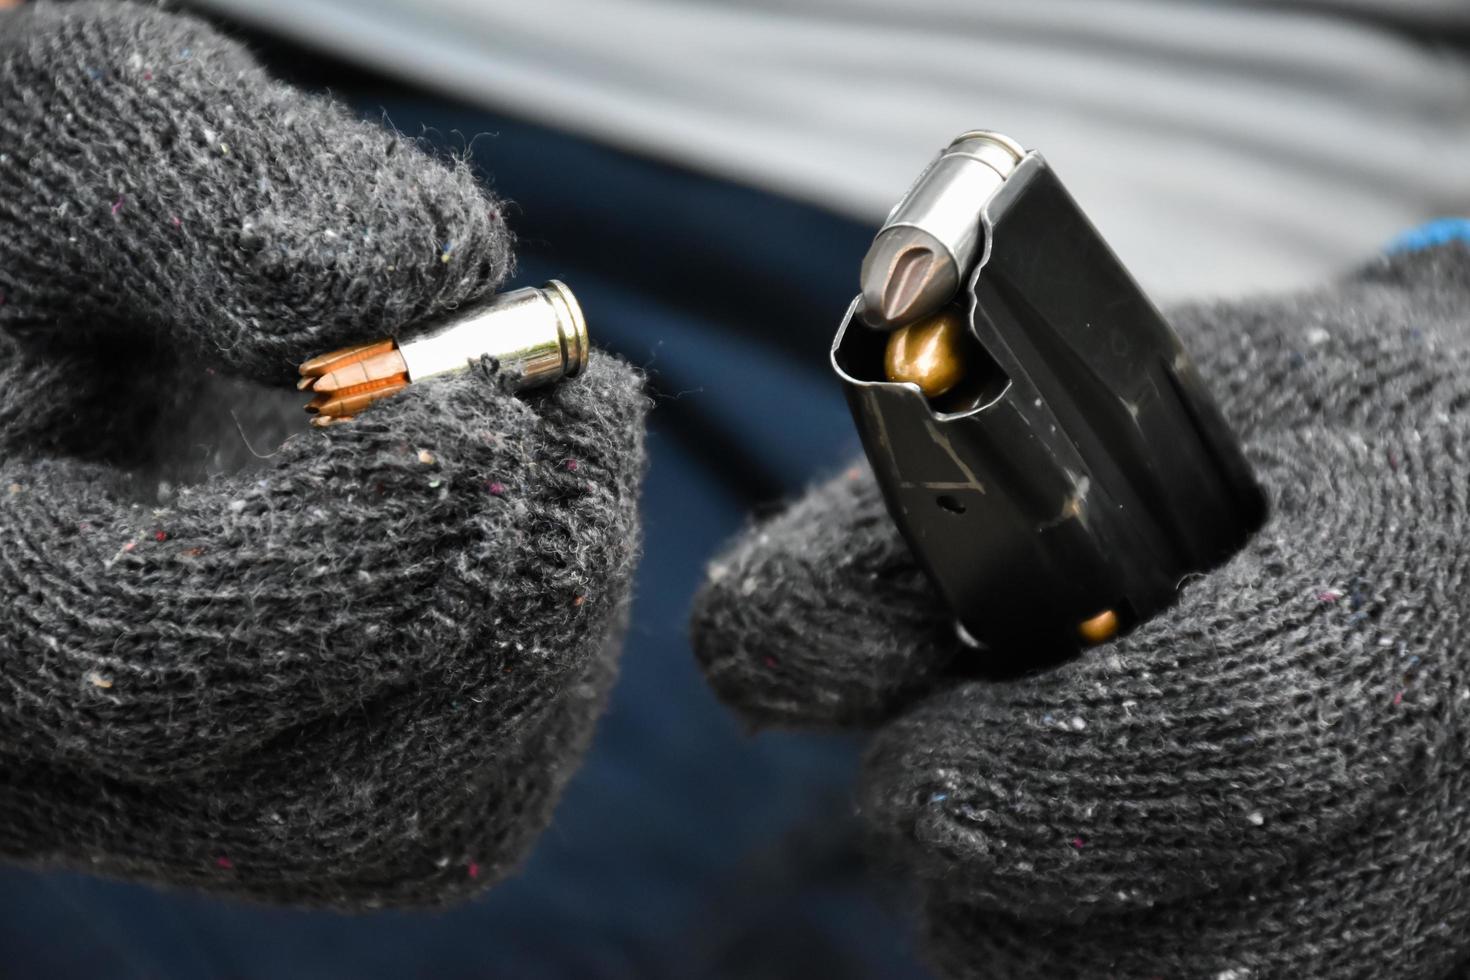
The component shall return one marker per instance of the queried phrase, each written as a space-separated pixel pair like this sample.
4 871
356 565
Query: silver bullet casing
932 239
537 334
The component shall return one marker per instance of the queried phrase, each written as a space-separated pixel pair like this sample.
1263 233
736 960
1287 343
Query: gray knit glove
1269 779
360 672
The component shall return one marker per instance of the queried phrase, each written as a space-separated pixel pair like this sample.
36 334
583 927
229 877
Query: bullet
318 368
930 242
537 335
1100 628
930 353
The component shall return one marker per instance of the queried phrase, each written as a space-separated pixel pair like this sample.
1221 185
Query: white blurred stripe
1219 147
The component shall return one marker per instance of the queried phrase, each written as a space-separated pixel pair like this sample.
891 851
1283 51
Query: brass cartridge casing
538 336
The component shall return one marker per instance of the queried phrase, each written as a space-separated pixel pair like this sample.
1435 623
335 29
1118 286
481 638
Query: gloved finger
452 536
88 404
157 187
421 795
1382 897
820 615
1385 347
1270 710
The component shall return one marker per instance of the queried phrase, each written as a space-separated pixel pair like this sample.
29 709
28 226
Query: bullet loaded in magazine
1039 434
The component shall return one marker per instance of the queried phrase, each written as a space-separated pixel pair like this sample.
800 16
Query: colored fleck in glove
359 671
1269 779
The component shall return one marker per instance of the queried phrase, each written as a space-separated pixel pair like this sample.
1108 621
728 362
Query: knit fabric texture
1267 780
358 671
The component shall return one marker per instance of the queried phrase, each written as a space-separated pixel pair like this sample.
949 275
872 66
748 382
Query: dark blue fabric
685 847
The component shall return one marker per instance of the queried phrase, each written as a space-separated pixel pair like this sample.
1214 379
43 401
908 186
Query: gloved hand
1267 780
360 672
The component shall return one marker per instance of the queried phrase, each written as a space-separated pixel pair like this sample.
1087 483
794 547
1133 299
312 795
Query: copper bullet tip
346 355
348 380
930 353
1100 628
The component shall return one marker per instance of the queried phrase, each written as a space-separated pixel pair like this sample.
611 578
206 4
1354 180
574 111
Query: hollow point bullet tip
348 380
